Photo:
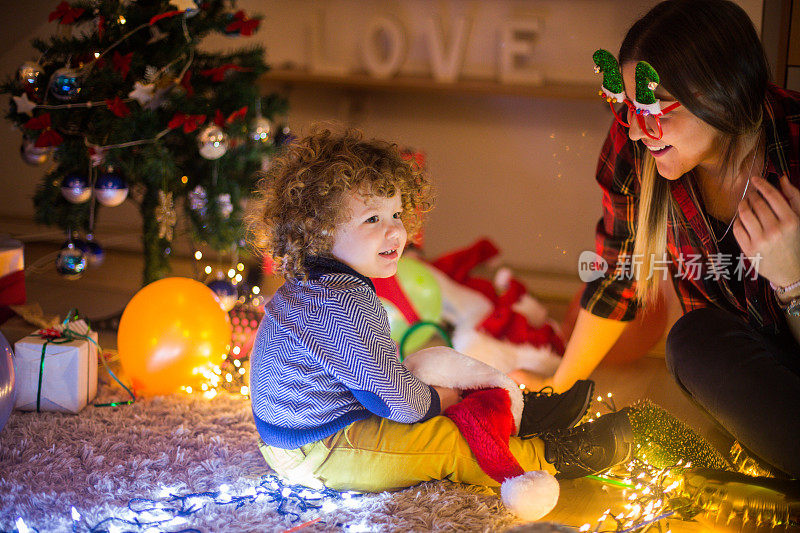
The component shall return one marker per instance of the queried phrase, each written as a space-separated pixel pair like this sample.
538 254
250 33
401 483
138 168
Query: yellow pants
376 454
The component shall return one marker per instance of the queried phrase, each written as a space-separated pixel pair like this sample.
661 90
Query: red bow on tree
122 63
162 16
65 13
186 83
218 74
189 122
118 107
48 137
221 121
101 27
242 25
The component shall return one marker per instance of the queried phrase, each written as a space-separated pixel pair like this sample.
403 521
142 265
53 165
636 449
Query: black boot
590 448
548 411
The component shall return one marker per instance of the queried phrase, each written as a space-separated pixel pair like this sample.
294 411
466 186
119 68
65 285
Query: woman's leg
748 382
376 454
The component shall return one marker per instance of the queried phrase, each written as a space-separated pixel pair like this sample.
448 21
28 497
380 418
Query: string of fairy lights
169 510
651 494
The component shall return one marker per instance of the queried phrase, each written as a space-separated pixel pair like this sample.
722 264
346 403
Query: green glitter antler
605 62
646 82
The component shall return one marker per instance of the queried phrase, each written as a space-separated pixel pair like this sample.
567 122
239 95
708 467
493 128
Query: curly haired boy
332 403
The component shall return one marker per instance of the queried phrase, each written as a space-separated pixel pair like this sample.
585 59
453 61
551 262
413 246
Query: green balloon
422 290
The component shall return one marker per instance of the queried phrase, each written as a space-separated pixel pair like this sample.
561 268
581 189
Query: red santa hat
487 417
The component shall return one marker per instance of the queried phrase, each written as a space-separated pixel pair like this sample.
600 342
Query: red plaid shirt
697 267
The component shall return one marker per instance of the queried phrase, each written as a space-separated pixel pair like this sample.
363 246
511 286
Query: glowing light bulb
207 270
76 516
184 179
231 273
198 255
244 390
240 267
256 289
188 390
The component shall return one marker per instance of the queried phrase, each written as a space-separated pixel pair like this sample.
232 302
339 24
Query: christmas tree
127 106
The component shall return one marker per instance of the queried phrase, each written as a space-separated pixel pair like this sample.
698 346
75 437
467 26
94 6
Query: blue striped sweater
323 359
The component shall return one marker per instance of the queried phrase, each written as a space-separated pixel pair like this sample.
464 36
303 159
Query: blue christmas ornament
71 262
110 189
284 136
75 188
226 292
65 83
95 254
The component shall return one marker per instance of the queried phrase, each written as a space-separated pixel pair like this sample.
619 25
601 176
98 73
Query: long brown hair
709 57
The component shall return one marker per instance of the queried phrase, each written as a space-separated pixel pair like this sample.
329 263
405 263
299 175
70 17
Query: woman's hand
769 225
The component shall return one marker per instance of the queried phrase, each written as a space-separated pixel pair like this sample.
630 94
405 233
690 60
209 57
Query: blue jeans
747 381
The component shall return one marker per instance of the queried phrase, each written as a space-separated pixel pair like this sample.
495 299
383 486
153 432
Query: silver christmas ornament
65 83
212 142
261 130
75 188
32 155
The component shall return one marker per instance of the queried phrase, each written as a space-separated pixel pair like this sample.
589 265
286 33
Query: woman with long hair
700 175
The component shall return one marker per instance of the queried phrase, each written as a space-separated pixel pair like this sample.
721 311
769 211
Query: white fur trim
531 495
445 367
504 355
460 304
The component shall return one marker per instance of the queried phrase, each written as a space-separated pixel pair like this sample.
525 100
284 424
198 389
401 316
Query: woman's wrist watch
792 307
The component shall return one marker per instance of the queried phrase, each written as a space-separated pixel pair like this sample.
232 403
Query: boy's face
372 236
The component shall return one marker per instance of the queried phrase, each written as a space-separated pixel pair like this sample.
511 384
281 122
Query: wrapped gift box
69 380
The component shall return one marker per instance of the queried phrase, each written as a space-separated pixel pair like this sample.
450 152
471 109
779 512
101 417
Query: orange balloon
170 328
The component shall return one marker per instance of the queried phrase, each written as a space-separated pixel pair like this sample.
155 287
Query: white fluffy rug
100 461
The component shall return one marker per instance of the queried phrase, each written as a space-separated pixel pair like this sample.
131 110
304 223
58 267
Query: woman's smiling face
687 141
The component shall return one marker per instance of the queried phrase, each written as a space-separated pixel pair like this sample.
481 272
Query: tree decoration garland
125 84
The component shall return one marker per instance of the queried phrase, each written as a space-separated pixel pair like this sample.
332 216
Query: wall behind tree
517 169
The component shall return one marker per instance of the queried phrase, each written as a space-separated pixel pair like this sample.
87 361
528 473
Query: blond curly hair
298 201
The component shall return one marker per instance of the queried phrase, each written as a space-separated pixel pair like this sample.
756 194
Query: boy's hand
447 396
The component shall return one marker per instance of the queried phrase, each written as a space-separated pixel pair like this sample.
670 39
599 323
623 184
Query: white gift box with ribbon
69 377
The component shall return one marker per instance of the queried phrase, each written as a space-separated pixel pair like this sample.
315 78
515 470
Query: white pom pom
531 495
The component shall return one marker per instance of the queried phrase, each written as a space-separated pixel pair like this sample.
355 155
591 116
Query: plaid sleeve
612 295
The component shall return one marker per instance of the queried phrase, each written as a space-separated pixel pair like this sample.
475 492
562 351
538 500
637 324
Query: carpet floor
185 463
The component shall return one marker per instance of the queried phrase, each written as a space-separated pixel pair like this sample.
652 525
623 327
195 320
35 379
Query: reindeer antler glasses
646 107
